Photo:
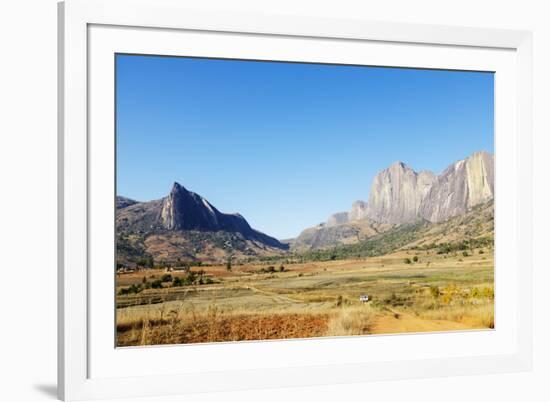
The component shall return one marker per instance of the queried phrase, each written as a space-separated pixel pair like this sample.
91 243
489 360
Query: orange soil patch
223 329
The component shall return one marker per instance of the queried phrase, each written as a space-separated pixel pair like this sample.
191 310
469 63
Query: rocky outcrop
337 219
358 211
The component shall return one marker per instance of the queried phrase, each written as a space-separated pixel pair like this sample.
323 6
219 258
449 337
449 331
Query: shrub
157 284
415 258
488 292
481 251
465 254
449 292
407 261
281 268
146 262
166 278
133 289
434 291
191 277
177 281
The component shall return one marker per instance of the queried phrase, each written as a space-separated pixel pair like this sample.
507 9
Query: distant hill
330 234
183 226
123 202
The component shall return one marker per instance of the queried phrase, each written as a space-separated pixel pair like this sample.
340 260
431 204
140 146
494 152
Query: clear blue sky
288 144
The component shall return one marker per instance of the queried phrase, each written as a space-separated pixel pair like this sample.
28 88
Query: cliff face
461 186
397 193
400 195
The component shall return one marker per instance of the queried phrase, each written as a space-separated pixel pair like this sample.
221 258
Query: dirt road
398 322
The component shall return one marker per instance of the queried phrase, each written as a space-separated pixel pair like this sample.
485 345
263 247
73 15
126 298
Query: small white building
364 298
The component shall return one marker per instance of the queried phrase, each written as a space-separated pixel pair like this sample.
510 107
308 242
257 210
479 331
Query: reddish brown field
242 327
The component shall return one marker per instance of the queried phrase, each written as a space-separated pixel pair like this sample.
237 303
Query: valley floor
438 292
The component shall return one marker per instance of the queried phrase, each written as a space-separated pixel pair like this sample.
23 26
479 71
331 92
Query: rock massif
399 195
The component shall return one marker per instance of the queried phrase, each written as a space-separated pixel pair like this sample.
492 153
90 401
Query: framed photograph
254 201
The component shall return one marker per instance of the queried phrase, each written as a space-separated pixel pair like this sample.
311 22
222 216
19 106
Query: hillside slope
474 227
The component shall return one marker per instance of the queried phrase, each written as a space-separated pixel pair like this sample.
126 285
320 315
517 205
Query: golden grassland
258 302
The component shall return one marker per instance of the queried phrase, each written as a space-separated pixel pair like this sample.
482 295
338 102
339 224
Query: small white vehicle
363 298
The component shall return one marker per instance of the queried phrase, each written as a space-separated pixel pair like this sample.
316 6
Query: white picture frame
90 31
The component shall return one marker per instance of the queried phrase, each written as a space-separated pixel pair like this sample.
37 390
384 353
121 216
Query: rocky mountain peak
398 165
176 187
185 210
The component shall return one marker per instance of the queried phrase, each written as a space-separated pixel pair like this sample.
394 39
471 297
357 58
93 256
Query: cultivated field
409 291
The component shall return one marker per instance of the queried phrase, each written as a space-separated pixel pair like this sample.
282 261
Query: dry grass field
409 291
